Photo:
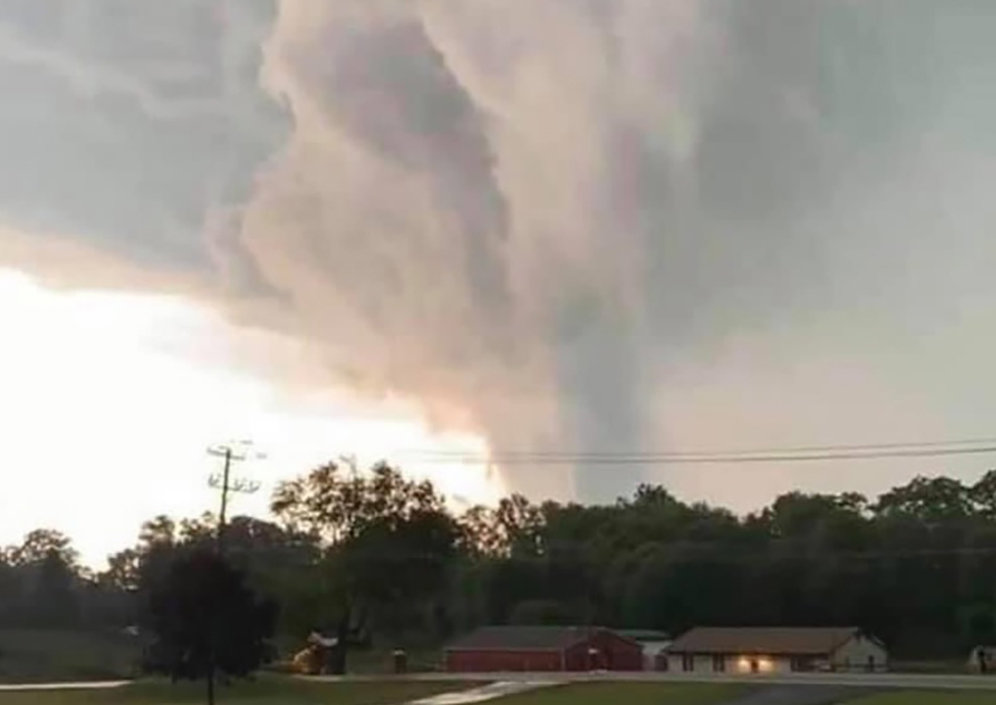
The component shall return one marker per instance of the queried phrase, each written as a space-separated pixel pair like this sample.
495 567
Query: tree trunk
210 686
337 654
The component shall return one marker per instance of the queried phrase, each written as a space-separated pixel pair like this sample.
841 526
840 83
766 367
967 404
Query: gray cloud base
589 226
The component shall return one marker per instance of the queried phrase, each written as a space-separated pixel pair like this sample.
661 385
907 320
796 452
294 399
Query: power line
871 452
988 440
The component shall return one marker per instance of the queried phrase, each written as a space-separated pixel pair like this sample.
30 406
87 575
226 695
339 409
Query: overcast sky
561 225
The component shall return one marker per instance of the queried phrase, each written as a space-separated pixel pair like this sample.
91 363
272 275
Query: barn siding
614 653
623 654
576 657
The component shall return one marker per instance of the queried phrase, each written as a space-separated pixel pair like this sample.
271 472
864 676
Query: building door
755 665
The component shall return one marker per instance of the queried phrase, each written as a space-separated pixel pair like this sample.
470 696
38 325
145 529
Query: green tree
542 612
47 574
54 601
42 543
520 526
389 544
928 499
206 620
983 495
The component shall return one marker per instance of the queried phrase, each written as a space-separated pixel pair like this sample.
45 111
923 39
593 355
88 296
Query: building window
687 662
718 663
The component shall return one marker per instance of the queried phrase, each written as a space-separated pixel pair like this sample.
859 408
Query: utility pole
223 481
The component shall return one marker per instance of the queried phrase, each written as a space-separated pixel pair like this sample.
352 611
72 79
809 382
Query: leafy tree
542 612
123 570
43 543
375 554
338 503
933 499
42 580
160 531
520 525
978 623
54 598
480 535
389 543
206 620
983 495
10 592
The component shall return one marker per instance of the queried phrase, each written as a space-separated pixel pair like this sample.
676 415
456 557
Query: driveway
491 691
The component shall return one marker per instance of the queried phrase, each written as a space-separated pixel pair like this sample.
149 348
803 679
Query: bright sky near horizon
108 402
564 225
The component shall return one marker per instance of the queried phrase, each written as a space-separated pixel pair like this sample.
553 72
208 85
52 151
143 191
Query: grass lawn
381 661
927 697
265 691
627 694
35 655
39 655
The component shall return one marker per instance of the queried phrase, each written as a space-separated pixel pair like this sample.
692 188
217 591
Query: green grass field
273 690
265 691
35 655
627 694
917 697
381 661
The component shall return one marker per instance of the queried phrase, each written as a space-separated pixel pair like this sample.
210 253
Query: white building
654 644
776 650
987 655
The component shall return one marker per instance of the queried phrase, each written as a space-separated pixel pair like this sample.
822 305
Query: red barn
505 649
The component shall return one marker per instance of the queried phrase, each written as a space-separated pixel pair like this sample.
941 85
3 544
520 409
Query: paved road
856 680
899 681
96 685
491 691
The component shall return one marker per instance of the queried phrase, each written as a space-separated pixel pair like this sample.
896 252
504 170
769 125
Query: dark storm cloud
126 123
588 226
390 91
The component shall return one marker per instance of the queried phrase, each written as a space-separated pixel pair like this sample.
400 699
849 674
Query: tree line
376 558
